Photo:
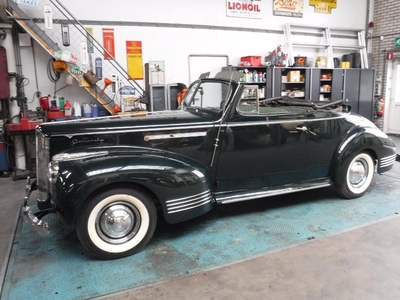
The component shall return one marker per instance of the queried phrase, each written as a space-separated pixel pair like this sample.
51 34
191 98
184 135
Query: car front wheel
358 176
116 223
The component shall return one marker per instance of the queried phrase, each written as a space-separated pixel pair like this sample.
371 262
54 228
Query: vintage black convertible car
109 175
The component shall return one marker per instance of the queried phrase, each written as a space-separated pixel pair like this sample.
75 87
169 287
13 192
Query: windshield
207 95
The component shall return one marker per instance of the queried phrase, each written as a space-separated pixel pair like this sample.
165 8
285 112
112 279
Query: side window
249 100
252 101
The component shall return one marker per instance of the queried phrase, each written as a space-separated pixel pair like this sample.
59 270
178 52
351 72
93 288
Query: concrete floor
362 263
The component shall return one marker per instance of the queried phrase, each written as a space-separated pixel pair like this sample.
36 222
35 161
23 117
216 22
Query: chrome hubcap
358 173
118 222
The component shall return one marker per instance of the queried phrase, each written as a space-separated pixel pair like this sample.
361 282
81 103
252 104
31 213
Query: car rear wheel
358 176
116 223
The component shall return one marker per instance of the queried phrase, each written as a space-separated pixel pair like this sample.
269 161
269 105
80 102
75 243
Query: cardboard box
293 76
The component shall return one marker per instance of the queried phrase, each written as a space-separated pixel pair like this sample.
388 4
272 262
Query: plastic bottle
67 109
87 110
61 102
95 110
77 110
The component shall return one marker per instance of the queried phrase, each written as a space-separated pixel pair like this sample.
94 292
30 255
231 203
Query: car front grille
42 162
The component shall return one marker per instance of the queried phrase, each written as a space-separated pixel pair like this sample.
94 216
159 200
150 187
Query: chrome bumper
34 219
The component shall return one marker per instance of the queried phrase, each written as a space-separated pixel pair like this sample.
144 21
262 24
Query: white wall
174 45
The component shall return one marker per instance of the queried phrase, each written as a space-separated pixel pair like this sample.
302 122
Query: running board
226 198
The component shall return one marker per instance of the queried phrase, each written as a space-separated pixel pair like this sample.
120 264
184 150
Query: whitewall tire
116 223
358 176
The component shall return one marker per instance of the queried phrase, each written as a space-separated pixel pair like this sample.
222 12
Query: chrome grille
187 203
387 161
42 162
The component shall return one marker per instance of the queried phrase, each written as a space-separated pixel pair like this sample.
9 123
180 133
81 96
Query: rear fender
182 186
356 142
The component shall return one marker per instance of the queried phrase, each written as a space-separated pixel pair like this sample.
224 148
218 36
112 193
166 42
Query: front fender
182 186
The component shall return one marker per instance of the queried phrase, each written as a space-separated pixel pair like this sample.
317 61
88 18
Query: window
207 94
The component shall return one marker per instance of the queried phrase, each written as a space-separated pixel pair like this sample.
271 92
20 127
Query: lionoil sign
244 9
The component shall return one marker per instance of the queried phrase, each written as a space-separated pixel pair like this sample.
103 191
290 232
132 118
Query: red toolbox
253 60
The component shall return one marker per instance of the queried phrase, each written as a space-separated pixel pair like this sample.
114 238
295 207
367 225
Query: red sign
108 43
244 9
389 55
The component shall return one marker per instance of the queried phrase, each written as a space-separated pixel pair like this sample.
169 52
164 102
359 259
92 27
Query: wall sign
289 8
244 9
134 59
108 43
397 42
323 6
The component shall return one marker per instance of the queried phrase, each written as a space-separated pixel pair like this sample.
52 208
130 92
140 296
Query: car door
325 130
261 149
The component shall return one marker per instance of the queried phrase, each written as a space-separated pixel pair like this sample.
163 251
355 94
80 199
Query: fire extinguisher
380 107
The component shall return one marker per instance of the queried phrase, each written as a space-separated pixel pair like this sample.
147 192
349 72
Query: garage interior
308 245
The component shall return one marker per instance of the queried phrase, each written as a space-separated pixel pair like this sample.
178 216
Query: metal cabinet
285 85
356 85
326 84
266 83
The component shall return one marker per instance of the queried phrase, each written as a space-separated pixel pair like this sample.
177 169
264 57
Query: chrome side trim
187 203
281 121
139 129
195 126
387 161
174 135
79 155
288 189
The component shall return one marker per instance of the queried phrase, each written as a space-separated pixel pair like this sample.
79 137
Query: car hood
119 123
